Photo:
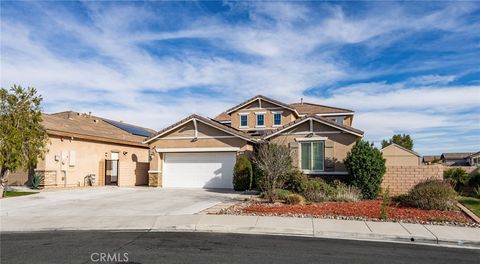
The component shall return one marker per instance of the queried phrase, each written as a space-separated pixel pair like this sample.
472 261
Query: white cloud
282 51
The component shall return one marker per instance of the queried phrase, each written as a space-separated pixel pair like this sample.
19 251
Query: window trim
273 119
311 157
243 114
256 119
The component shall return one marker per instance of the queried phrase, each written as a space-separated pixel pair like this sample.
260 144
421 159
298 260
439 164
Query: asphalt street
170 247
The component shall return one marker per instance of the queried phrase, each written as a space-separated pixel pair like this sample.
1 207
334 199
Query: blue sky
409 67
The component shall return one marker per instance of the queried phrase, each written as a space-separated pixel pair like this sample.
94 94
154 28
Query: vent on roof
129 128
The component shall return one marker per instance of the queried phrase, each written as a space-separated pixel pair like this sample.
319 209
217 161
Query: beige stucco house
201 152
396 155
82 145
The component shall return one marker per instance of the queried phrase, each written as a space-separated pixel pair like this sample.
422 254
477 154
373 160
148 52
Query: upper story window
260 119
243 120
337 119
277 118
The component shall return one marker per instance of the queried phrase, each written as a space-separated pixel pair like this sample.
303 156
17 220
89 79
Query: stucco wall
337 145
395 156
89 159
287 115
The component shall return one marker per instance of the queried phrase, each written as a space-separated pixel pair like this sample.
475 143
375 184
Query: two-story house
201 152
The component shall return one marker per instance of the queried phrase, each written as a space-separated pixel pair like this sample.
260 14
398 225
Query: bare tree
276 163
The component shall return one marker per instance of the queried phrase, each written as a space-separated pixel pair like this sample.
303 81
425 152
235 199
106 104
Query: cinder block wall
400 179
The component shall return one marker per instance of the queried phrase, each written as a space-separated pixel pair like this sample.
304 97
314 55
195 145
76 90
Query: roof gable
400 147
261 98
315 118
205 121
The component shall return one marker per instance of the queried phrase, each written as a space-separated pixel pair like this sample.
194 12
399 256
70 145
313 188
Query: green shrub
345 193
385 202
474 179
456 176
282 194
432 195
366 167
257 175
476 192
296 181
317 190
36 181
242 174
295 199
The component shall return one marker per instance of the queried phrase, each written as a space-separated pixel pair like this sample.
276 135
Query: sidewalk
308 227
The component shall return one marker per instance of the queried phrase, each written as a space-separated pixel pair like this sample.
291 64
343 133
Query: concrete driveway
114 201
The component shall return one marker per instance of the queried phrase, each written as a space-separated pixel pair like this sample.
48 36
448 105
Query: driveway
115 201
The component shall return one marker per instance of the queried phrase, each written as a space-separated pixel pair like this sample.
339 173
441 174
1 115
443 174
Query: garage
199 169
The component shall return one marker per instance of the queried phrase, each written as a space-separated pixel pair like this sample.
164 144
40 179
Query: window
338 120
312 156
277 119
243 120
260 120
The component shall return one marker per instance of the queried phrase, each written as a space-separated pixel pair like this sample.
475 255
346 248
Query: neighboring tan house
81 145
431 159
396 155
201 152
455 159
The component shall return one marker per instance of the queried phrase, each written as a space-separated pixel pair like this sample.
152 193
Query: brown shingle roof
315 117
311 109
205 120
95 128
430 158
456 155
223 116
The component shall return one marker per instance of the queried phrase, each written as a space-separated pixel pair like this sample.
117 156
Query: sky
403 67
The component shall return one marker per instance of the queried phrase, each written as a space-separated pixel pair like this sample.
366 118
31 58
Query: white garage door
199 170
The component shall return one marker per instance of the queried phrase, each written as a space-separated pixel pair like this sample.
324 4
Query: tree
242 174
275 163
402 140
366 167
22 137
456 177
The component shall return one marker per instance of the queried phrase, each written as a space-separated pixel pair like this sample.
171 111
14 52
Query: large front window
312 156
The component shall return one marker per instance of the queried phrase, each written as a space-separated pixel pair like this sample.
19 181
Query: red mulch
364 209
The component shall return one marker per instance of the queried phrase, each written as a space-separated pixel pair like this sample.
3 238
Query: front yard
362 210
471 203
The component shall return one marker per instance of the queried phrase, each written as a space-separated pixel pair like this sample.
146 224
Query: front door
111 169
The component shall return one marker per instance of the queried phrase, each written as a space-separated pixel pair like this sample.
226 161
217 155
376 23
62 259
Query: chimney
301 101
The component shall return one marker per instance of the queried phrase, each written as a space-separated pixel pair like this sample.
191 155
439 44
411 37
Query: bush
456 176
295 199
476 192
474 179
432 195
366 167
282 194
36 181
345 193
242 174
296 181
385 202
317 190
